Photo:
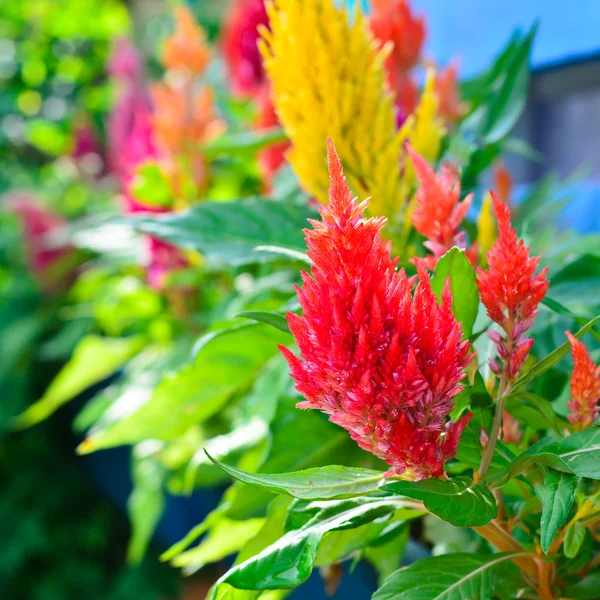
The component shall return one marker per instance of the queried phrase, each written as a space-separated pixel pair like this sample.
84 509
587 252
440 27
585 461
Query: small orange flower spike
585 386
511 292
446 88
186 49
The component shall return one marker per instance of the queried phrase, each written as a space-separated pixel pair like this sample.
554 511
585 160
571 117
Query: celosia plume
239 39
486 229
511 293
451 108
437 212
503 182
382 363
329 81
183 115
186 49
585 386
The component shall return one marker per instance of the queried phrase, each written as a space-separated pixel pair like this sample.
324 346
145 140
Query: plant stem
493 438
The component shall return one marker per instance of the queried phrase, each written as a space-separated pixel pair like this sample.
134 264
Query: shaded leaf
556 493
289 561
553 358
228 232
274 319
248 142
573 539
447 577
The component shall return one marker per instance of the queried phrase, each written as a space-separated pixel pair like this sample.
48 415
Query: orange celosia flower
585 386
181 116
503 182
383 363
446 88
438 212
186 49
511 293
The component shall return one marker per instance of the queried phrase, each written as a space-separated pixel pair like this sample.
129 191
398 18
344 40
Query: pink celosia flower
585 386
125 66
241 53
382 363
438 212
511 293
47 251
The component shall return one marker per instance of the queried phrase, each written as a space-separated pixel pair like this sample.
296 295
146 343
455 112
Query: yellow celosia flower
329 81
424 129
486 229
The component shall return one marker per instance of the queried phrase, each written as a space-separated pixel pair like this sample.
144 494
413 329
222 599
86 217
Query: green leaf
225 365
585 588
146 502
249 142
228 232
447 577
94 359
323 483
465 295
553 358
556 493
151 186
535 411
225 538
573 539
289 561
274 319
458 501
577 454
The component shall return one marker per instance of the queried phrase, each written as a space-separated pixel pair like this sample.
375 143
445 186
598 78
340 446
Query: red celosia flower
446 89
511 292
186 49
393 21
438 212
272 158
241 53
585 386
381 363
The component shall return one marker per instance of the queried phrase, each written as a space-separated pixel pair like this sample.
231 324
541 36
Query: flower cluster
585 386
329 81
511 293
438 213
381 362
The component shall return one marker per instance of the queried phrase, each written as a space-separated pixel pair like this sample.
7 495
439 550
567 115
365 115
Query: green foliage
323 483
230 232
94 359
455 267
458 501
556 493
448 577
